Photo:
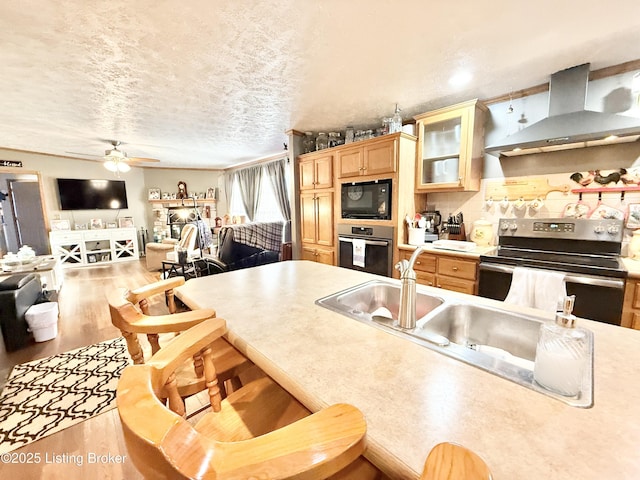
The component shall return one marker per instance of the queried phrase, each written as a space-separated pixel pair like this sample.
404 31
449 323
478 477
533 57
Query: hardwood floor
93 448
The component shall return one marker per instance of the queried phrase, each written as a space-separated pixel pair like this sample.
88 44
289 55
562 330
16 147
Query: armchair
258 431
17 293
156 253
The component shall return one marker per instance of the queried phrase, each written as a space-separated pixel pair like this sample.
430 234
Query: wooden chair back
130 320
448 461
163 445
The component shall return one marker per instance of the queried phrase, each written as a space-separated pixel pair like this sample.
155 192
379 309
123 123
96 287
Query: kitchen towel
359 250
537 288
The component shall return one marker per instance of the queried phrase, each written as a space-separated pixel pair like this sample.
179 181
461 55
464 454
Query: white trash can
42 319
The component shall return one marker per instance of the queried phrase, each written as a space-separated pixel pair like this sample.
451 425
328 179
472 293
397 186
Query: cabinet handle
418 262
439 286
455 269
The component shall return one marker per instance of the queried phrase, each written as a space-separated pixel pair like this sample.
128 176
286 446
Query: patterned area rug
49 395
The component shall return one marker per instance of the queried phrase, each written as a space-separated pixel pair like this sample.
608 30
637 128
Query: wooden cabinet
444 271
316 210
450 148
631 306
316 171
90 247
320 255
371 158
316 207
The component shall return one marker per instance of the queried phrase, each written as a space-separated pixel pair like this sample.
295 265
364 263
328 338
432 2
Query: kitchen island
414 398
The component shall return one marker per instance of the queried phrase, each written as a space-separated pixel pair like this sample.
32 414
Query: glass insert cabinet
451 148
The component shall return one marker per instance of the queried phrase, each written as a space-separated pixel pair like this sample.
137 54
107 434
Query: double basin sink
496 340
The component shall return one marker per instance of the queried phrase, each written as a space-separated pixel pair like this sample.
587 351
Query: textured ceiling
211 83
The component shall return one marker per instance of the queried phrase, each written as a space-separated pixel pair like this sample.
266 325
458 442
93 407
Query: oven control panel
553 227
610 230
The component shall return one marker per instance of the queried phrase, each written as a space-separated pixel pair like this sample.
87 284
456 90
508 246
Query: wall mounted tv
80 194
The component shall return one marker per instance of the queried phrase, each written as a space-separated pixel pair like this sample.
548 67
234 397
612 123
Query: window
268 208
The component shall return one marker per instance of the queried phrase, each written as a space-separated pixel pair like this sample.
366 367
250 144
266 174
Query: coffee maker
434 219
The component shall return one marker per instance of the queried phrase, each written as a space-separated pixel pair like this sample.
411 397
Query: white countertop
414 398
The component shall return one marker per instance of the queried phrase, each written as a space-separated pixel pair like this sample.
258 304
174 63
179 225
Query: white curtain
249 180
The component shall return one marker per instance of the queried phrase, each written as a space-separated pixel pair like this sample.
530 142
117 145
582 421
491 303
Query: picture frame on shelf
211 193
80 226
96 224
633 216
154 194
125 222
112 225
58 225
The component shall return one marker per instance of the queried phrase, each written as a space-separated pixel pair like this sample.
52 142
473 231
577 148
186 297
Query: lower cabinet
444 271
631 306
320 255
89 247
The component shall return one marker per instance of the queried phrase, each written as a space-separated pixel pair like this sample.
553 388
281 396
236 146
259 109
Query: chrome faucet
407 313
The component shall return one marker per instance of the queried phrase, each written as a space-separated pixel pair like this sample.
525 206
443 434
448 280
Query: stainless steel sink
495 340
368 298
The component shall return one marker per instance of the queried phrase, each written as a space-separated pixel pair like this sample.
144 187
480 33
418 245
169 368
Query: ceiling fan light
111 165
123 167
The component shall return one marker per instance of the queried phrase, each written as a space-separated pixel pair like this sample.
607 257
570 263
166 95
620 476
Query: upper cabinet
316 171
373 157
450 148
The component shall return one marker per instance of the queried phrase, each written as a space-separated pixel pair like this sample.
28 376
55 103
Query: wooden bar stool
258 431
132 320
448 461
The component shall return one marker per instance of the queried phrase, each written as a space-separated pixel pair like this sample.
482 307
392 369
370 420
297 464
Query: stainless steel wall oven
376 242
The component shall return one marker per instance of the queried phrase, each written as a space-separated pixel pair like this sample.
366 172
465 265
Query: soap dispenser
562 353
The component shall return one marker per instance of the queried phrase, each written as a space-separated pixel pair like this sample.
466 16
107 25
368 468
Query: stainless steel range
586 250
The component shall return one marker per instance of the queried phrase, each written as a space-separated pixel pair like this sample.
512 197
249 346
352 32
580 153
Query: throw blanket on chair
266 235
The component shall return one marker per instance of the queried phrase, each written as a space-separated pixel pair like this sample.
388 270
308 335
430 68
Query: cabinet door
450 146
308 217
350 162
308 253
307 174
440 149
456 284
324 172
453 267
380 158
324 218
325 256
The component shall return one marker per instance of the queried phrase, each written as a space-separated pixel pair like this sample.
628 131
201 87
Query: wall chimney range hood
569 125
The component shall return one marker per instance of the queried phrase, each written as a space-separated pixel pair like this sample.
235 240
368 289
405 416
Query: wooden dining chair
258 431
449 461
129 311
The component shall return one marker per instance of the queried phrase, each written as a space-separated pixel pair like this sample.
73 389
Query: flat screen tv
81 194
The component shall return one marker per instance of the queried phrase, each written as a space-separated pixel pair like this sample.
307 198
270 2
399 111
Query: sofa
17 293
247 245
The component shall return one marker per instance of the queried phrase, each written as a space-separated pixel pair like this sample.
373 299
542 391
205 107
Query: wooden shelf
635 188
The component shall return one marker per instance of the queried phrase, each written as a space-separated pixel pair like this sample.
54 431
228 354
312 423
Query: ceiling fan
116 160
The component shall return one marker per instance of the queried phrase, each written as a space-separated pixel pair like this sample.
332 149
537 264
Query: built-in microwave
368 200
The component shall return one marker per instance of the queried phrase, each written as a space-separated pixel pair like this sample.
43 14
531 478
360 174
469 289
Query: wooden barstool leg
198 364
144 306
133 345
211 380
154 341
176 403
171 300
